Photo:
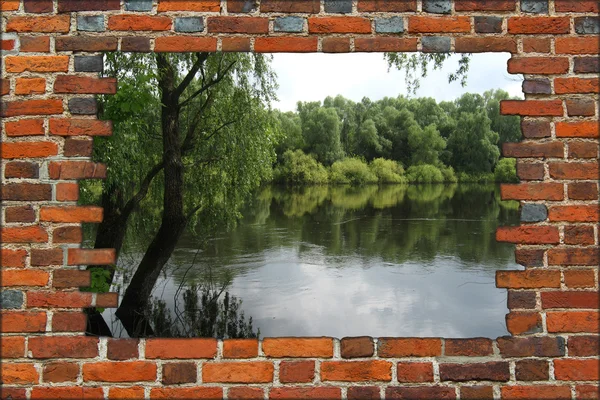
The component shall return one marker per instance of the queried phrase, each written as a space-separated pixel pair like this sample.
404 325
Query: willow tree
193 137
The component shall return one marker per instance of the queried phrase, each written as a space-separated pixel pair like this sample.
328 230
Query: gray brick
389 25
90 23
435 44
11 299
534 6
587 25
338 6
534 213
537 86
83 106
189 24
437 6
89 63
288 24
488 24
138 5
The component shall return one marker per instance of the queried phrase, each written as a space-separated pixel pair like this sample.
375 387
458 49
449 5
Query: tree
425 144
508 127
203 129
321 131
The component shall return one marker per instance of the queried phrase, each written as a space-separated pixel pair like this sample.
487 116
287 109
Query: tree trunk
138 293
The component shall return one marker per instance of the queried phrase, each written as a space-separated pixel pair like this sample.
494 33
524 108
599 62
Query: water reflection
339 261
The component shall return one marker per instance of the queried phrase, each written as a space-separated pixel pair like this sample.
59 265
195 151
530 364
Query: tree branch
204 87
139 196
201 58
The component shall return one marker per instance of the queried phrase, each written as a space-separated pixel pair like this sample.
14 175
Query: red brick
574 213
63 347
240 348
417 372
580 6
13 258
533 108
418 24
579 234
538 65
67 191
119 371
298 347
66 392
240 44
476 392
339 25
409 347
587 392
180 348
536 45
60 372
28 150
238 372
579 278
12 347
387 5
423 392
177 373
46 257
582 191
537 25
530 171
238 25
27 86
185 44
532 191
538 346
71 214
485 44
528 279
489 371
574 171
521 322
290 6
488 5
26 192
34 44
138 23
18 64
84 85
580 256
285 44
18 373
577 45
576 370
107 300
21 169
571 299
137 44
55 23
69 278
25 277
9 5
31 107
363 393
532 149
355 347
535 129
122 393
78 147
520 299
24 127
335 45
528 234
380 44
88 5
190 5
187 392
477 347
76 170
91 256
582 129
69 322
7 44
38 6
532 370
356 371
67 234
298 393
22 322
86 43
245 393
27 234
296 371
122 349
59 299
572 321
581 107
583 346
576 85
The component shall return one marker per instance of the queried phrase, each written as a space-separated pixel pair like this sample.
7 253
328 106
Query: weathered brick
528 279
238 24
60 371
532 370
363 393
38 6
55 23
189 24
387 5
88 5
238 372
21 169
69 321
419 24
533 212
534 6
580 107
84 85
339 25
11 299
535 129
296 371
290 6
335 45
138 23
477 347
63 278
89 64
541 346
135 44
13 258
78 147
19 214
582 346
119 371
409 347
83 106
489 371
538 25
533 108
573 321
90 23
389 25
26 192
356 371
586 65
79 127
436 44
138 5
62 346
240 348
298 347
190 5
122 349
27 86
536 45
180 348
414 372
583 256
521 299
288 24
177 373
241 6
437 6
537 86
338 6
576 370
587 25
582 191
532 234
355 347
185 44
485 24
86 43
420 392
34 44
23 322
18 64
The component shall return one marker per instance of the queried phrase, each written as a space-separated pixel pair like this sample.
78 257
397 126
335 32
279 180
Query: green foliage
321 132
424 173
506 171
448 174
353 171
299 168
99 281
387 171
475 177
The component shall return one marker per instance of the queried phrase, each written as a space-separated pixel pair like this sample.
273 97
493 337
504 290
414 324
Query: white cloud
312 77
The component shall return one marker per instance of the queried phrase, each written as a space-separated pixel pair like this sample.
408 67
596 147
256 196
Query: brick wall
49 77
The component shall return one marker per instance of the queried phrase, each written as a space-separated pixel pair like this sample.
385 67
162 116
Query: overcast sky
314 76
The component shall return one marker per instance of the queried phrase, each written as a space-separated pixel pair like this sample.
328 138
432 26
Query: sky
314 76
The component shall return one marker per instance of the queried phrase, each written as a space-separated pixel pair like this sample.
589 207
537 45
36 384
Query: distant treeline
396 140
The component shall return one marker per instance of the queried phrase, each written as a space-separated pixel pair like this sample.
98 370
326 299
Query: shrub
387 171
352 171
424 174
448 174
482 177
506 171
299 168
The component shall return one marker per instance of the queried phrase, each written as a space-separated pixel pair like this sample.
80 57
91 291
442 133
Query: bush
448 174
352 171
299 168
482 177
506 171
387 171
424 174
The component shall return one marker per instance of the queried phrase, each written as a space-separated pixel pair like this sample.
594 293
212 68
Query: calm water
379 261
